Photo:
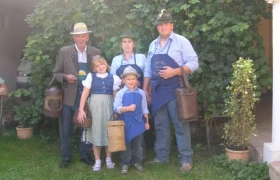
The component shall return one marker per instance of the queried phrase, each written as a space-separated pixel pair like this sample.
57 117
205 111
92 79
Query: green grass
30 159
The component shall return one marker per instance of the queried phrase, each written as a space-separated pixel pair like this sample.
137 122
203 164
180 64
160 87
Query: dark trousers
66 134
134 151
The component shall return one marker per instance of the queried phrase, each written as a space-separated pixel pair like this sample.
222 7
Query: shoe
156 161
87 161
138 167
96 167
185 168
124 169
110 165
64 163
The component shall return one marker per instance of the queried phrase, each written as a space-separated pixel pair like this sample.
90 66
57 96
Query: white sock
108 159
98 161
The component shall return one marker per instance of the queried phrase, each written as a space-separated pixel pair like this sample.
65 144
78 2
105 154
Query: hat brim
127 36
161 22
81 32
136 74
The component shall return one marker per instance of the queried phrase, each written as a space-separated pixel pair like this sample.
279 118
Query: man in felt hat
72 65
166 54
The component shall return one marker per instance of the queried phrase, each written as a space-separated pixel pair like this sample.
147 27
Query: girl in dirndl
101 86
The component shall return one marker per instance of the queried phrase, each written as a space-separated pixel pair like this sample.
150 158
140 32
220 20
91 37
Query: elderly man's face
81 40
165 29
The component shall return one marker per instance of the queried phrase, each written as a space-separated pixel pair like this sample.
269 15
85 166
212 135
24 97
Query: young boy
131 105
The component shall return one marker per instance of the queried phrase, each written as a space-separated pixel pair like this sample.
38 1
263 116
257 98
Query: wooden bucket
116 136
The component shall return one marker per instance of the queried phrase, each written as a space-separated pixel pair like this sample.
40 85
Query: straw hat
80 28
163 17
130 71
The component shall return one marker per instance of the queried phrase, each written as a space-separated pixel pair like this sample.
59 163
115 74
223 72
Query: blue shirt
117 62
180 50
119 96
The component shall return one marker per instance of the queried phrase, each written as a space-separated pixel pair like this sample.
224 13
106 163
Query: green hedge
221 31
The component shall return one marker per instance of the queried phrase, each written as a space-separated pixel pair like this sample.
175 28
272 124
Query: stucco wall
13 33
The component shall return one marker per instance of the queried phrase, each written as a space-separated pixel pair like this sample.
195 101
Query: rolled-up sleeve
118 102
189 55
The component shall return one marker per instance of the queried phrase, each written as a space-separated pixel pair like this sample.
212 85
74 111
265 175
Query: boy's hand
132 107
147 126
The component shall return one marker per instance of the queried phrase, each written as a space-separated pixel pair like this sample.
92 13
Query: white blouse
88 80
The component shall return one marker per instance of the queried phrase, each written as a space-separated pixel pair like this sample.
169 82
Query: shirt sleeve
113 68
147 69
189 55
87 82
117 82
118 102
144 103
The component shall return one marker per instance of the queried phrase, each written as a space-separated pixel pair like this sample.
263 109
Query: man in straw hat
72 65
166 54
131 105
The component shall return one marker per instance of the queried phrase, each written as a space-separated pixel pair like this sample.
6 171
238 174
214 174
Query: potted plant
239 108
27 117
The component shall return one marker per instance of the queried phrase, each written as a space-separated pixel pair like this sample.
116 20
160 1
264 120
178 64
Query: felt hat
127 34
80 28
163 17
129 71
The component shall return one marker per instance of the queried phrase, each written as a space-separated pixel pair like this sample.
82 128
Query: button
103 86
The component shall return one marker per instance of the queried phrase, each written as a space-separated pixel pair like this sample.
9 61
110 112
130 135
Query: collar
131 56
125 88
171 36
79 50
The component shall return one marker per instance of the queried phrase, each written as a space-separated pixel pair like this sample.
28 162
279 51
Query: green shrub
221 31
242 171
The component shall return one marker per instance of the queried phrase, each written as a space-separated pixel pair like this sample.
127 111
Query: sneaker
124 169
110 165
185 168
96 167
156 161
138 167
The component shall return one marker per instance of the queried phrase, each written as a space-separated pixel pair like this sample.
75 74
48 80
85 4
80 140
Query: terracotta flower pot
3 89
24 133
238 155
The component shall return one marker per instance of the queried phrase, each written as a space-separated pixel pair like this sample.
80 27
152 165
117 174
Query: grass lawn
31 159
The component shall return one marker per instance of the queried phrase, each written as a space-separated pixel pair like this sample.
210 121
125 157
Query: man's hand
167 72
70 78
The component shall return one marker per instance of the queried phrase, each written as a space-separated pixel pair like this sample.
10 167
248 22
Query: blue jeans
134 151
162 118
66 134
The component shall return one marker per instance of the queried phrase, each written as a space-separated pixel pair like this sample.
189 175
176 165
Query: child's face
130 81
100 67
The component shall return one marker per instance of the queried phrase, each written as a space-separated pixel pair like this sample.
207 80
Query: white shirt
82 56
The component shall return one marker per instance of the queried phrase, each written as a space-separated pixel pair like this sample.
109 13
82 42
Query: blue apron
134 121
120 70
163 90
